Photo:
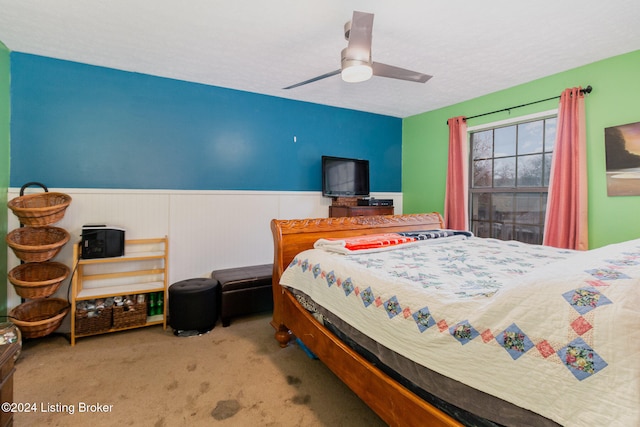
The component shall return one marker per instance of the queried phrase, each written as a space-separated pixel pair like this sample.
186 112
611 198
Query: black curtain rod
587 89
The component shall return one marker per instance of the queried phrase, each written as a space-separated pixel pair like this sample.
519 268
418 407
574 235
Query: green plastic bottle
159 303
152 305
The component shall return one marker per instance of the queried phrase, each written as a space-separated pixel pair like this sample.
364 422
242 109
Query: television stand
344 201
342 211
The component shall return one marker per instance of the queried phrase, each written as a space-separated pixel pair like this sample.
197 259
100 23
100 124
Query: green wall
615 100
4 169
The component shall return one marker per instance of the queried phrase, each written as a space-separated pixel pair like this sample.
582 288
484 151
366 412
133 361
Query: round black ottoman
193 306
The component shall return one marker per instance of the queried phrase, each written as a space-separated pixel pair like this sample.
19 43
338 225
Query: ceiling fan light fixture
355 60
356 73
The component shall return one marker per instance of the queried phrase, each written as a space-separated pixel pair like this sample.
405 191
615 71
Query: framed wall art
622 150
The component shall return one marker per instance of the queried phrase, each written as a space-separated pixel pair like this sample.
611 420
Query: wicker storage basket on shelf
38 279
99 321
37 244
39 317
37 210
128 316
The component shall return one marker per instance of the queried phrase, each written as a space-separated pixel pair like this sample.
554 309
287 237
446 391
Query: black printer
102 241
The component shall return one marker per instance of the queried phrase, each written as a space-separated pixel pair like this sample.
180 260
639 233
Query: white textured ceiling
470 47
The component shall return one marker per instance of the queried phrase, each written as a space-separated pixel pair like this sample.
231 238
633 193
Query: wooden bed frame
395 404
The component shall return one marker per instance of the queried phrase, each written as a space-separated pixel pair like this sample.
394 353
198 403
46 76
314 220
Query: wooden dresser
338 211
7 352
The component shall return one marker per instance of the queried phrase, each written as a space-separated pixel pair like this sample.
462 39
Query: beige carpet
235 376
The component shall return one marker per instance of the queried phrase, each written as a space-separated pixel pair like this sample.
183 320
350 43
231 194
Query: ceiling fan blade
384 70
315 79
359 36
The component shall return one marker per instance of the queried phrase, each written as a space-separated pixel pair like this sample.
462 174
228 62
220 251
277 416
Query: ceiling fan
356 63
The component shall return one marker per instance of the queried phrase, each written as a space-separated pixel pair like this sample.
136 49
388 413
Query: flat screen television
343 177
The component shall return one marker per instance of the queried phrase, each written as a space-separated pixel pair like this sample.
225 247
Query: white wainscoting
207 230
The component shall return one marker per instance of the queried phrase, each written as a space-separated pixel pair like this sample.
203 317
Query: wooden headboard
293 236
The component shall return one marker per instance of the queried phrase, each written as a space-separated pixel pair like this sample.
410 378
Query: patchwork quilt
553 331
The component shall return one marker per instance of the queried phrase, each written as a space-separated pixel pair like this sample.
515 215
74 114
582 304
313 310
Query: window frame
515 190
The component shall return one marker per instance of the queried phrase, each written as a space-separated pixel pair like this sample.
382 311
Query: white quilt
553 331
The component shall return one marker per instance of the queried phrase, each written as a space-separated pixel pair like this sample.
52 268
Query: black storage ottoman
193 306
244 290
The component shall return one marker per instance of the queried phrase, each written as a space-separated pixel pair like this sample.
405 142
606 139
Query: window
510 167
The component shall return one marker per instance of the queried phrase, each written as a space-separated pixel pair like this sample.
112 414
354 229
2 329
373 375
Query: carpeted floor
235 376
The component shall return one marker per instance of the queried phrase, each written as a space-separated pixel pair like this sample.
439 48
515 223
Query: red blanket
374 241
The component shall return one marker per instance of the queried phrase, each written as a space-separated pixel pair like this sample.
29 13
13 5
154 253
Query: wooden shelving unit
142 270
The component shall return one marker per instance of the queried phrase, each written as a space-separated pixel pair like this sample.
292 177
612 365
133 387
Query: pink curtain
456 202
566 218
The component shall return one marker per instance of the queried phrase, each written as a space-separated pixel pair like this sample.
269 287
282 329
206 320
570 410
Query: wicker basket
125 316
37 210
38 279
100 321
39 317
37 244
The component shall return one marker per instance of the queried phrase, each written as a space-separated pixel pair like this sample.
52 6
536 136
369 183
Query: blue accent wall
80 126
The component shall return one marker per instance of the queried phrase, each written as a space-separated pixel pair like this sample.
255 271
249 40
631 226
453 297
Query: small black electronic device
375 202
101 241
